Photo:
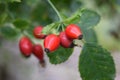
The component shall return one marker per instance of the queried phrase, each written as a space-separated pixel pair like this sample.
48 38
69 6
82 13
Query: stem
58 27
63 27
58 14
26 34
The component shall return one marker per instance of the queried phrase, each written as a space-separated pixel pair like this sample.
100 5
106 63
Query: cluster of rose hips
51 41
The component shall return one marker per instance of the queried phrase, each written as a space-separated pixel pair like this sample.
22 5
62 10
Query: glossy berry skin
25 46
38 32
38 51
73 32
51 43
65 41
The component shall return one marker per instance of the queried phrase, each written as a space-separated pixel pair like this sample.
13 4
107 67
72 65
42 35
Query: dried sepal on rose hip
65 41
39 53
73 32
38 32
25 46
51 43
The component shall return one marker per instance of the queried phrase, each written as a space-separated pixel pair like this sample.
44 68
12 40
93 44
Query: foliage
95 62
60 55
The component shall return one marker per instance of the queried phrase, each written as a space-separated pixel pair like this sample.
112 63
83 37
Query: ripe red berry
65 41
38 52
51 43
73 32
38 32
25 46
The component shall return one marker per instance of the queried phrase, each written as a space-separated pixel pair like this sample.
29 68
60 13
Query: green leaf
75 18
50 28
60 55
8 32
72 20
3 17
88 19
21 24
89 35
96 63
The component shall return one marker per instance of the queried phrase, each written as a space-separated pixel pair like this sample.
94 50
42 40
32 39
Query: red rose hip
38 32
65 41
51 43
73 32
25 46
38 52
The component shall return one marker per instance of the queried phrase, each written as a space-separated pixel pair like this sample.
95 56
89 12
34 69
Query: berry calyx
38 52
73 32
38 32
25 46
51 43
65 41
